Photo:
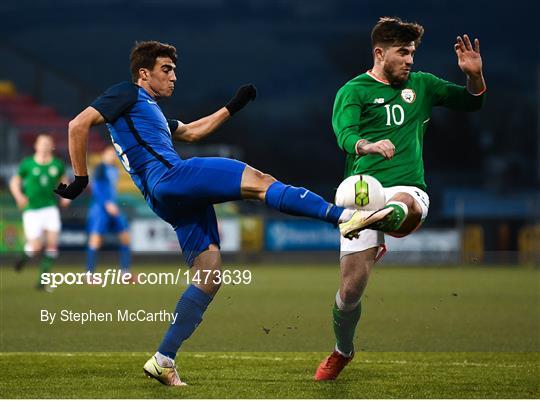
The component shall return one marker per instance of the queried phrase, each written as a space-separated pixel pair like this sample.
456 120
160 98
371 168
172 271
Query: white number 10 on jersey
392 114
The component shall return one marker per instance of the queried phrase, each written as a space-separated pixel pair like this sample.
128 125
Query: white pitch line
368 361
213 355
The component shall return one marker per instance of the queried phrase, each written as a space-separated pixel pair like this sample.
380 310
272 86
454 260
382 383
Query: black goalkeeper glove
74 189
243 96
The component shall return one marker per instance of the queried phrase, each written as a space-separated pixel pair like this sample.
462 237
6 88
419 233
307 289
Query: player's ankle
163 360
394 220
345 354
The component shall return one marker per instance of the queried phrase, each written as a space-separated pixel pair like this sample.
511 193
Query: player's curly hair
144 55
392 31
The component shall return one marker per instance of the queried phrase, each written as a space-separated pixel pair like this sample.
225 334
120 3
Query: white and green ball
361 192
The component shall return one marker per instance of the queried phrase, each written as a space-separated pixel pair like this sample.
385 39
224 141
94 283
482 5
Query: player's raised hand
243 96
74 189
469 59
385 148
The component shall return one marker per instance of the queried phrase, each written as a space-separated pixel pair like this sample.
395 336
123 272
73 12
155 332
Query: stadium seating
31 118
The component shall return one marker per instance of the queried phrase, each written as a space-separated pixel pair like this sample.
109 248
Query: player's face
161 78
397 62
44 145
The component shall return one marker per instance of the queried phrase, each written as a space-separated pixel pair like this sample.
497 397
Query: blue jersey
140 133
104 182
181 192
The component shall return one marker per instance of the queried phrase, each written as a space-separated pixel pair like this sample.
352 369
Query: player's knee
215 285
352 292
255 183
32 249
124 238
405 198
209 283
264 180
95 241
36 248
349 295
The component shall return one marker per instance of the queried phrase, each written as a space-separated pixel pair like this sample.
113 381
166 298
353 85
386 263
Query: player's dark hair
392 31
144 55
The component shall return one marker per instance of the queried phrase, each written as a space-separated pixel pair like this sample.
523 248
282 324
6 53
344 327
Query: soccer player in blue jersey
182 192
104 215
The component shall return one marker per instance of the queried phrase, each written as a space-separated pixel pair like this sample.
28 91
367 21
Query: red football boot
331 367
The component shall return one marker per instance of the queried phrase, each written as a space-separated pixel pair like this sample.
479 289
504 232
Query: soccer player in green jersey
32 187
379 119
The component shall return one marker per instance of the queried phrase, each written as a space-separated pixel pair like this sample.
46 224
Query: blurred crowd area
482 169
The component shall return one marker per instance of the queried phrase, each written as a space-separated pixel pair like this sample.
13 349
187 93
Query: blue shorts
184 196
100 222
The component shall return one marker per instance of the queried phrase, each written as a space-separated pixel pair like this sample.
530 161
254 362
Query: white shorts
372 238
36 221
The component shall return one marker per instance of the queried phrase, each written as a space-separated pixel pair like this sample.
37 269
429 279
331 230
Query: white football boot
165 375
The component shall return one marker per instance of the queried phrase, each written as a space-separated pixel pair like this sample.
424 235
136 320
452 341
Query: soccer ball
361 192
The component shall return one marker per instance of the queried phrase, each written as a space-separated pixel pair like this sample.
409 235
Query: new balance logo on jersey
379 100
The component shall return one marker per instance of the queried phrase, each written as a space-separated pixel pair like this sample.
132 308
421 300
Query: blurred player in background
379 119
32 187
104 216
182 192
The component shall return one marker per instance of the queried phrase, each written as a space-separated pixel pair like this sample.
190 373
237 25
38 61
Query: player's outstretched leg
401 215
298 201
189 312
355 271
406 216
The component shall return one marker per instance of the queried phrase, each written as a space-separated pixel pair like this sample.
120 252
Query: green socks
394 220
345 322
46 263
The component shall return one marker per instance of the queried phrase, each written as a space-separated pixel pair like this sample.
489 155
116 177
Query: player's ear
378 54
143 74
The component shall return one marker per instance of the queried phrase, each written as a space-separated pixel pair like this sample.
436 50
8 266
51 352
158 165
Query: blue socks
91 254
125 258
189 311
301 202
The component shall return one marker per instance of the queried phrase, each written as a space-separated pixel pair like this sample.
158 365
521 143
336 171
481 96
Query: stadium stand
31 118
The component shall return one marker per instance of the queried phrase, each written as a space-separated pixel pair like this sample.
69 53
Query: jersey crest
408 95
53 171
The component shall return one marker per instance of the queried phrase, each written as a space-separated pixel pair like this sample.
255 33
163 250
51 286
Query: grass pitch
425 333
274 375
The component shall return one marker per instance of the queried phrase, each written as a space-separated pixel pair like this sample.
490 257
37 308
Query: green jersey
39 181
367 108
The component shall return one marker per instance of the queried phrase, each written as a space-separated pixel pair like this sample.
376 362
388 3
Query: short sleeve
22 171
116 100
